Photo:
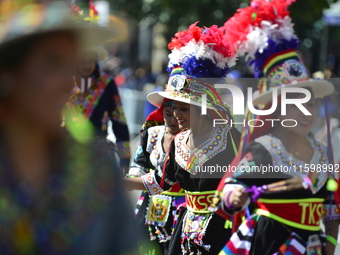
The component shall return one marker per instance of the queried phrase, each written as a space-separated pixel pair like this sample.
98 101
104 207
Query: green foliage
178 14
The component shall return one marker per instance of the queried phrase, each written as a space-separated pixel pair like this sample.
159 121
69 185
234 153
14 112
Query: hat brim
85 36
320 88
32 20
156 98
101 53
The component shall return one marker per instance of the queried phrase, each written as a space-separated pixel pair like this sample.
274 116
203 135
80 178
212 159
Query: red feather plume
239 26
182 38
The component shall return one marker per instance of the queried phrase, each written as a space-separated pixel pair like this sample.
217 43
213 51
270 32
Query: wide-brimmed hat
264 32
33 20
199 57
285 69
100 52
185 89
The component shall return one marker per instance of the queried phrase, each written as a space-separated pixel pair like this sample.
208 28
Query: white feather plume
199 50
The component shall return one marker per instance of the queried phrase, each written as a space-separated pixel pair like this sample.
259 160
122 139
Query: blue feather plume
273 47
198 68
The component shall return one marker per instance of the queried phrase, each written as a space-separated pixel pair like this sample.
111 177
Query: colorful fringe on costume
240 242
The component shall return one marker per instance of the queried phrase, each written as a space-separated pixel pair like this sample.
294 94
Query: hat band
177 70
278 59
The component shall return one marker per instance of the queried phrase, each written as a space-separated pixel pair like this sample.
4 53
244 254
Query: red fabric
237 220
157 115
175 188
199 202
306 213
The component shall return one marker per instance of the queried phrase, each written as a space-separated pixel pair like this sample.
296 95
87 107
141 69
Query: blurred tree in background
179 14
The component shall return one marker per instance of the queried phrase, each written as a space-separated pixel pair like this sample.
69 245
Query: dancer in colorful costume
291 199
157 212
96 97
197 54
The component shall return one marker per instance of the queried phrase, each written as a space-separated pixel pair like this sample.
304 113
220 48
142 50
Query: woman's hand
332 230
237 198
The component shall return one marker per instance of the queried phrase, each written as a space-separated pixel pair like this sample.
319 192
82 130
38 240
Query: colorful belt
298 213
173 194
174 191
199 201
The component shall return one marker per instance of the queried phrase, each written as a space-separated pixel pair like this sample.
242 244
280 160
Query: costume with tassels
196 55
157 212
289 197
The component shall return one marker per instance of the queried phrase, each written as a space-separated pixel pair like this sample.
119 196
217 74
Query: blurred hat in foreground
18 21
100 52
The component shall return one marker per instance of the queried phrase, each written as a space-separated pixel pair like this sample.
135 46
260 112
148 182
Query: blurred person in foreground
57 196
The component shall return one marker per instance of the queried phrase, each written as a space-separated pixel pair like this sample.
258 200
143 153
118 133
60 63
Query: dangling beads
172 231
152 237
206 247
189 248
160 235
167 236
182 243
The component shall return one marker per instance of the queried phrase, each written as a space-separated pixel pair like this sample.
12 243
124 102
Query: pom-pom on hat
197 55
264 32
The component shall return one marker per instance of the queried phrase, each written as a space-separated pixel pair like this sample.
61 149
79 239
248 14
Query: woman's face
183 113
304 122
86 64
42 83
170 120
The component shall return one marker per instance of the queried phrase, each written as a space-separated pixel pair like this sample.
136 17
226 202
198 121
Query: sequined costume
197 54
195 223
156 212
100 103
287 221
